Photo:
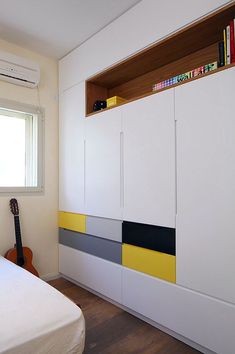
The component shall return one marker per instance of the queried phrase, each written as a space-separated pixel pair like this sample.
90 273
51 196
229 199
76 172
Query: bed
36 318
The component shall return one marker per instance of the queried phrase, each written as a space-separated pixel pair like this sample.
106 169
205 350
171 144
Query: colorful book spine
182 77
228 44
211 66
198 71
232 41
225 47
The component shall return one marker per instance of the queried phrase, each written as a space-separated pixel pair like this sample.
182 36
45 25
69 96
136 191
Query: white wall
38 213
144 24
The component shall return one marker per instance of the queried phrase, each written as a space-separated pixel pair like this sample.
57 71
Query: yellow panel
71 221
154 263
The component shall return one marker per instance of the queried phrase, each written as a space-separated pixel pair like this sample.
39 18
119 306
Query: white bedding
34 317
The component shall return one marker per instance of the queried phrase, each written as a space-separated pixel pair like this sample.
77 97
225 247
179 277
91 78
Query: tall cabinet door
71 144
149 160
102 164
206 185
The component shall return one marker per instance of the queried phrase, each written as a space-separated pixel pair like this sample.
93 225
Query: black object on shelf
98 105
221 54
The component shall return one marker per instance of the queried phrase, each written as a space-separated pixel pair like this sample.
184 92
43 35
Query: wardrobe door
71 147
149 160
102 164
206 185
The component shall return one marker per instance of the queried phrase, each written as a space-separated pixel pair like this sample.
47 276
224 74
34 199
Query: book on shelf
232 41
225 47
221 54
228 44
182 77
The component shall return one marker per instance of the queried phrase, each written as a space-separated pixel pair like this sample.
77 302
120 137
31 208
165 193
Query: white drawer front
96 273
204 320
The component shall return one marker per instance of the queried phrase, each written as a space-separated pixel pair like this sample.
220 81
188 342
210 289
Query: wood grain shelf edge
164 89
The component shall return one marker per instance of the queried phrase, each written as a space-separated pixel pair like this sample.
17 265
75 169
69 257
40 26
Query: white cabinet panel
206 185
71 136
96 273
102 165
149 160
204 320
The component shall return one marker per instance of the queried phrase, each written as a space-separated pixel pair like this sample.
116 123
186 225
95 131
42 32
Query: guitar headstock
14 206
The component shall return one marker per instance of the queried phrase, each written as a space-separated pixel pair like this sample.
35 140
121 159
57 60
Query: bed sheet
35 318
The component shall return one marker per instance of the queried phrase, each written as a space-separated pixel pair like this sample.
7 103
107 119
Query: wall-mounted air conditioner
19 70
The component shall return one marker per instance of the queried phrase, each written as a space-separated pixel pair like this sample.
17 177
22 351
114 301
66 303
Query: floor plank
110 330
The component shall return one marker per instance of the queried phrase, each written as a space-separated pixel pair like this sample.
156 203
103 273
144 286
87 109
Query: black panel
157 238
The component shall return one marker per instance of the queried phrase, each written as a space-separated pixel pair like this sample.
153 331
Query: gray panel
105 228
97 246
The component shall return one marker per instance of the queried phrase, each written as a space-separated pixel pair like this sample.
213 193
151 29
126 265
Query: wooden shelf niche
187 49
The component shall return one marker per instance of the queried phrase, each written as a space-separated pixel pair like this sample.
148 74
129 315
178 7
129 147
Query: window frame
38 114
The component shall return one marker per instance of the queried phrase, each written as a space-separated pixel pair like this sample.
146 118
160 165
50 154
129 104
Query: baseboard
50 276
145 319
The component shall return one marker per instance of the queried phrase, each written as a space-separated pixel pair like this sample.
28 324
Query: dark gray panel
110 250
105 228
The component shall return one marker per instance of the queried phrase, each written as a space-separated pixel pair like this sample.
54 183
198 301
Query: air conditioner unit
19 70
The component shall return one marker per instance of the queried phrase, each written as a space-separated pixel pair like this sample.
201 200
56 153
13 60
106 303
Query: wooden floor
110 330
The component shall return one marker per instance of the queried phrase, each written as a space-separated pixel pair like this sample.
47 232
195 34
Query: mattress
35 318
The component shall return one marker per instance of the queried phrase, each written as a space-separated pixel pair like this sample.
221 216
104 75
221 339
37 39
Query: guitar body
11 255
22 256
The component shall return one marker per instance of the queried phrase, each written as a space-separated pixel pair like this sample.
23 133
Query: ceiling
55 27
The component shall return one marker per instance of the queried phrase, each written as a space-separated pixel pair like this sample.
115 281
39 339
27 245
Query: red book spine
232 41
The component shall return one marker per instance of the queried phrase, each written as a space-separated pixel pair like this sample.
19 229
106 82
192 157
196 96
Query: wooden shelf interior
185 50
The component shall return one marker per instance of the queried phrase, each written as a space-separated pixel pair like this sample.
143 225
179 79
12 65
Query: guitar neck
19 247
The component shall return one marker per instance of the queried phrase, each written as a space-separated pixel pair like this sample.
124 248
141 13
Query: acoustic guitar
22 256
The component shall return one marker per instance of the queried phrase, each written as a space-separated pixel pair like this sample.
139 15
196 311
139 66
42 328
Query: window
21 137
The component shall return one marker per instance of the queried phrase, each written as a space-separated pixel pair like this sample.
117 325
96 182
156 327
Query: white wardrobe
164 160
